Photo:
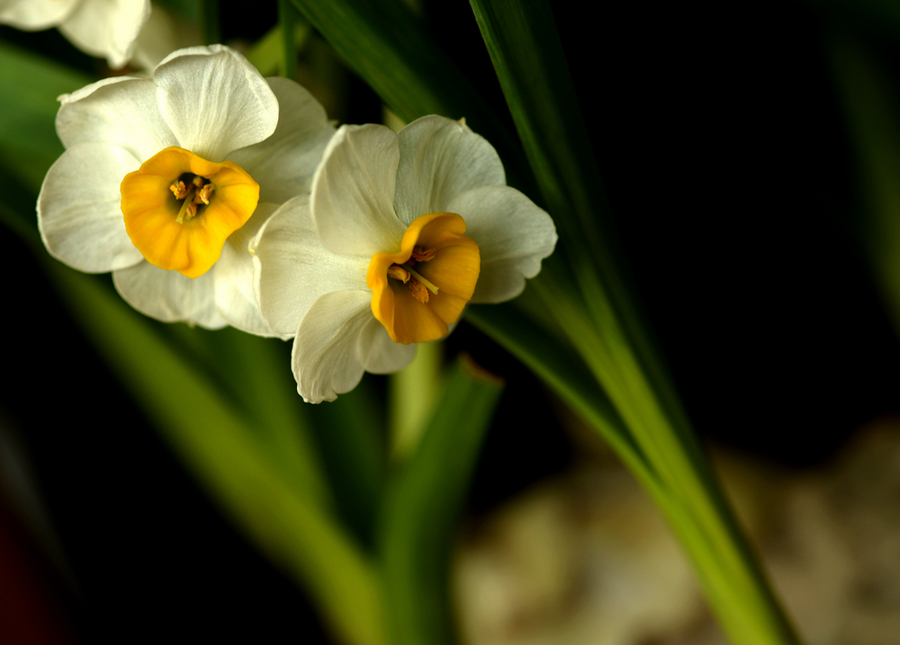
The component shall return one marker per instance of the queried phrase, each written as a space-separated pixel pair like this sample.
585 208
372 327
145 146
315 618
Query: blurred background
739 186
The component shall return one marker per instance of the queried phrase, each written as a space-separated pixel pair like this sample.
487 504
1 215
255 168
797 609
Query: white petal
325 358
79 212
122 110
513 236
293 269
284 164
378 353
169 296
233 273
353 192
107 28
440 159
33 15
215 101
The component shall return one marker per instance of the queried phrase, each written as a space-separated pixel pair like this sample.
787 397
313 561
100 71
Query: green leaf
268 51
390 49
350 437
29 87
286 18
601 320
218 442
564 372
870 104
422 506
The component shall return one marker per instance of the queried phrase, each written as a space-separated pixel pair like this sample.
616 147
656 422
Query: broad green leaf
422 505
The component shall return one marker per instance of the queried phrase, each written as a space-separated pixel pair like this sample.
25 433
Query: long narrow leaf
216 441
531 66
390 49
421 508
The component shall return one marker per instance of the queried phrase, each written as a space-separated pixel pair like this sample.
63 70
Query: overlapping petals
211 103
436 183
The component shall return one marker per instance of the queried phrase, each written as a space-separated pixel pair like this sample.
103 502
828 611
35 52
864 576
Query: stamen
204 193
431 287
422 255
179 209
397 272
179 190
419 291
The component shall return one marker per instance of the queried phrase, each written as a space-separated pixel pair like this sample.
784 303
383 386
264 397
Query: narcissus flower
400 233
105 28
165 179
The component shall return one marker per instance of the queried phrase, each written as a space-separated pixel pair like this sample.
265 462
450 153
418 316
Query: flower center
418 291
180 208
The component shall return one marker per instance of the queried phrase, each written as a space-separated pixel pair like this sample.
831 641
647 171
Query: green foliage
421 506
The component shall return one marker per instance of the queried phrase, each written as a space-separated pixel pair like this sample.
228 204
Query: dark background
725 159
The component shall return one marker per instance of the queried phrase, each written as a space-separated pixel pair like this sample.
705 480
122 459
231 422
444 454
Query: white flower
161 175
400 232
105 28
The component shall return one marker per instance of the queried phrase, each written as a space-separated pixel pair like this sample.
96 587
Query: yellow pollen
419 291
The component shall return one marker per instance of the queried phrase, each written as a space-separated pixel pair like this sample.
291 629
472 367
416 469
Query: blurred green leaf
562 369
29 87
390 49
218 441
881 14
266 53
386 45
602 320
350 437
422 506
871 107
287 17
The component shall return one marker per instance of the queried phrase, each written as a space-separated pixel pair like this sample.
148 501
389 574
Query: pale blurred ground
585 559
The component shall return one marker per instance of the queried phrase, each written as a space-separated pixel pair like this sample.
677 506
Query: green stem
286 18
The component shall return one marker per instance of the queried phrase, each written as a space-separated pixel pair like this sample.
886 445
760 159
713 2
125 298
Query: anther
205 193
397 272
179 190
422 255
419 291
